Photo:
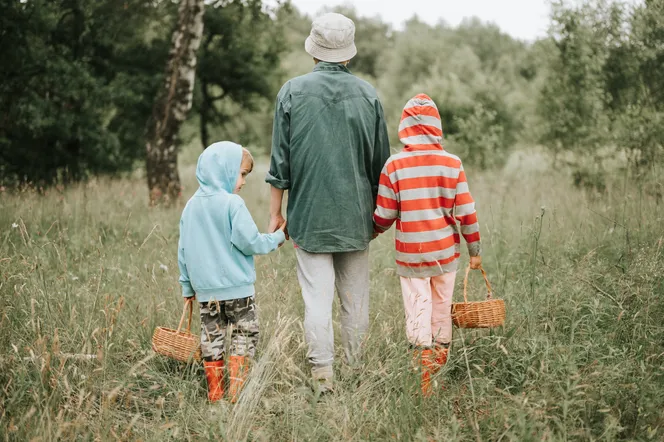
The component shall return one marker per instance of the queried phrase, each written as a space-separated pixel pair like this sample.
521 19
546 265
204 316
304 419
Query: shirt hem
330 249
427 272
226 294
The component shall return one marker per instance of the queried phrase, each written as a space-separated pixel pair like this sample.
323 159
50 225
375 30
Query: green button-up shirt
329 145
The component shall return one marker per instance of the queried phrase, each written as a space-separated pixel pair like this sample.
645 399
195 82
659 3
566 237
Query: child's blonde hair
248 158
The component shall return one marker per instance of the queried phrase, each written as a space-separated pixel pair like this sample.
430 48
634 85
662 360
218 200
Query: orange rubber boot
238 369
440 354
428 367
214 373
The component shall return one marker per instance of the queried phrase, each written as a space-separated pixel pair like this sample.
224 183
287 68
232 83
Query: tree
642 124
604 91
479 78
71 86
372 37
481 136
572 100
172 104
238 61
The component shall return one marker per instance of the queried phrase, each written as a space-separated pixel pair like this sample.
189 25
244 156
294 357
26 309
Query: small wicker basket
178 344
478 314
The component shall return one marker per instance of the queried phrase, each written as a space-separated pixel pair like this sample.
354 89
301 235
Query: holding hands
277 222
284 229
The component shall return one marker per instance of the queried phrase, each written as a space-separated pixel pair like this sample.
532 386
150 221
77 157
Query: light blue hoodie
218 237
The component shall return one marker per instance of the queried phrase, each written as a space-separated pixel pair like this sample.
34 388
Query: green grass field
91 270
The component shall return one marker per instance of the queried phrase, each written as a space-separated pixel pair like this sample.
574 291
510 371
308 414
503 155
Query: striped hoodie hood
420 126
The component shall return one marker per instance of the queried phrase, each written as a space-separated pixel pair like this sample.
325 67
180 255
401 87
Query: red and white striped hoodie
424 189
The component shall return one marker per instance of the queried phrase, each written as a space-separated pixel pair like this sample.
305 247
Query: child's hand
475 262
283 228
190 298
376 231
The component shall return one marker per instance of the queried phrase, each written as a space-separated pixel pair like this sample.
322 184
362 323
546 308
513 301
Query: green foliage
572 104
604 84
372 38
73 86
238 73
481 135
79 77
480 79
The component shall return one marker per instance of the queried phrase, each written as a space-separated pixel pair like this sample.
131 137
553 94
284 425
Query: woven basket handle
188 304
465 284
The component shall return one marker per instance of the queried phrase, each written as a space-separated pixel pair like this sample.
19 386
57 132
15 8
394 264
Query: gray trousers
319 274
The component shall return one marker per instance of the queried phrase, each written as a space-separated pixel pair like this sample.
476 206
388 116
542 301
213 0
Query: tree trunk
172 104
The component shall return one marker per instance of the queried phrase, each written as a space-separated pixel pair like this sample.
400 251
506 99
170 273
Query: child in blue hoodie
218 239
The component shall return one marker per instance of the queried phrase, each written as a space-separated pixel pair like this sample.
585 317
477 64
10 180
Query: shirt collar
327 66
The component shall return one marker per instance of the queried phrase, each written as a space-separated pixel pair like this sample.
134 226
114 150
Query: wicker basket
178 344
478 314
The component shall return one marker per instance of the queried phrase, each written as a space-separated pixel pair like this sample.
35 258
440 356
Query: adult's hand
277 222
276 218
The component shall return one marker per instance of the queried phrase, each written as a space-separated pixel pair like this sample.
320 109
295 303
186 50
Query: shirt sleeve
381 149
465 213
279 174
387 206
187 289
246 237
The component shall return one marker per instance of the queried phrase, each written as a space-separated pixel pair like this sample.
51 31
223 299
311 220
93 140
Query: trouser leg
213 331
352 284
417 304
442 289
244 326
315 272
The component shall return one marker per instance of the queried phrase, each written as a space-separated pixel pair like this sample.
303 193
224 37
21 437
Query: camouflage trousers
236 321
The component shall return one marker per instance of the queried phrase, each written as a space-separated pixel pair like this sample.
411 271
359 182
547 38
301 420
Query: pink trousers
428 304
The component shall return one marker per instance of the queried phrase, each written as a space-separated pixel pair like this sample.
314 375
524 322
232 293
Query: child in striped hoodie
424 189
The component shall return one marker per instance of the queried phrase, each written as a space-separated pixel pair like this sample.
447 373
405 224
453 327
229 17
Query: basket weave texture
478 314
178 344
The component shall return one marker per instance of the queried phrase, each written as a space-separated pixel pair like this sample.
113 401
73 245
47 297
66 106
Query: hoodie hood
218 168
420 127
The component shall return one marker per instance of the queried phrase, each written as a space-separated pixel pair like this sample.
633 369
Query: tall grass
86 274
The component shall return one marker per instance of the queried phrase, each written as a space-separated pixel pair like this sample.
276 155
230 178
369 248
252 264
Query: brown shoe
323 380
214 373
238 370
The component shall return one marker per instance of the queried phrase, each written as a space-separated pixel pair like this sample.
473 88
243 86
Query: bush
482 138
604 85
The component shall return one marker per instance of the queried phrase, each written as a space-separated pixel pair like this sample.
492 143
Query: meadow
87 272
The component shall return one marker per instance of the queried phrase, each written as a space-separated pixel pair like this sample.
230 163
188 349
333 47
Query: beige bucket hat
332 38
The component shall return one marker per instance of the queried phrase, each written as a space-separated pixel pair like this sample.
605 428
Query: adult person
329 145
